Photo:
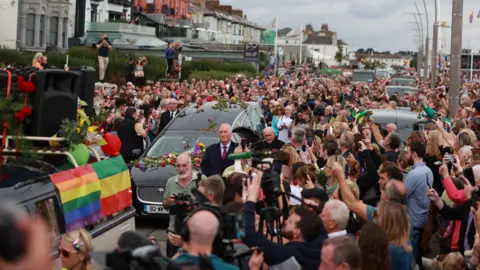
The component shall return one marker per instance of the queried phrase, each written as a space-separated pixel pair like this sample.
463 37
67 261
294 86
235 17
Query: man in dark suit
215 159
270 142
167 116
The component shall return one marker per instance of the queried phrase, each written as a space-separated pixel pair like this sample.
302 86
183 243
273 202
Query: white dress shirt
337 234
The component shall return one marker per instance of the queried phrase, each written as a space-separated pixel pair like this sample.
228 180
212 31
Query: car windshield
169 144
403 82
363 76
401 91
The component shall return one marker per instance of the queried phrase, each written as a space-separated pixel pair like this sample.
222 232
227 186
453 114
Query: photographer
199 237
182 183
301 228
104 46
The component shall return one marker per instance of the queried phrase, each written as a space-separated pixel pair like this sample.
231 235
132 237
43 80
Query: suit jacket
275 146
213 163
164 120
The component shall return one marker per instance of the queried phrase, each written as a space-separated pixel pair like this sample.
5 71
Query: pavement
153 226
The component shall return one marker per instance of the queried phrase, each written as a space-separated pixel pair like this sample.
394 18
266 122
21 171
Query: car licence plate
155 209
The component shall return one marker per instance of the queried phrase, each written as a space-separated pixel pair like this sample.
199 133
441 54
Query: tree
339 54
369 51
360 51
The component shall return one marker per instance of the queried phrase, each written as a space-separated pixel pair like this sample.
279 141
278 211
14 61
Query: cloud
379 24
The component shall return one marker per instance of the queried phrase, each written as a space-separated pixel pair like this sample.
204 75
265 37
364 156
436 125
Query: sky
378 24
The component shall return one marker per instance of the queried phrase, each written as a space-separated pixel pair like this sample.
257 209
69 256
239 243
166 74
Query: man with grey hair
215 160
335 216
341 253
182 183
163 105
299 141
167 116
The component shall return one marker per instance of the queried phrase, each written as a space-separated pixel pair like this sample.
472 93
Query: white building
36 24
222 24
388 60
9 24
321 46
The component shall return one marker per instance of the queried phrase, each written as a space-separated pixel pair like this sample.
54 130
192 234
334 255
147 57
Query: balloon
81 154
113 146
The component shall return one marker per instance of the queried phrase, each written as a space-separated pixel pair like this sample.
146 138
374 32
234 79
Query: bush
154 70
216 74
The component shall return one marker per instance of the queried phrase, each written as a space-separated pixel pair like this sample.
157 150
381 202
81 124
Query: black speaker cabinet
85 87
54 99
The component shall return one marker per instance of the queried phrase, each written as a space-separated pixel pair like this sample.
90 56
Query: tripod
271 215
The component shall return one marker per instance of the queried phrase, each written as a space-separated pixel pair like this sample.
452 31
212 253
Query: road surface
157 227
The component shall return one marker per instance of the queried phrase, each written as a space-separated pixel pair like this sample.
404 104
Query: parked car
364 76
401 90
405 120
180 135
404 81
26 181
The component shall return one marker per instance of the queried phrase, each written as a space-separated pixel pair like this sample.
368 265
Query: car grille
150 194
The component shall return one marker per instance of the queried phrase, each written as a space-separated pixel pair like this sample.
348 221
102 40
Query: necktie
224 154
171 114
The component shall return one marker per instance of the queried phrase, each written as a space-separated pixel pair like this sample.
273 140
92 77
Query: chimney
212 4
226 9
245 17
237 12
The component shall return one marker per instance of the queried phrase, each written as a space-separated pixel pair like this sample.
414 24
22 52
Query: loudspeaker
53 100
85 87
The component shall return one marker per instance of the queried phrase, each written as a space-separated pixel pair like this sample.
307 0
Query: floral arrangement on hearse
196 154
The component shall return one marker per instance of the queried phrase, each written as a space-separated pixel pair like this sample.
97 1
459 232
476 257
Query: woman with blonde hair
37 61
292 152
74 250
393 218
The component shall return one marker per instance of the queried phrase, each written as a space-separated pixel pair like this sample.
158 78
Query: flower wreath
196 155
15 106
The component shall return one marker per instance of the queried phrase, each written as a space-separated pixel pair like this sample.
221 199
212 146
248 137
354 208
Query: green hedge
155 69
216 74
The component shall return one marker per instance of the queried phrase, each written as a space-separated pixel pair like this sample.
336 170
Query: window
93 13
48 210
53 34
64 33
41 30
30 37
256 121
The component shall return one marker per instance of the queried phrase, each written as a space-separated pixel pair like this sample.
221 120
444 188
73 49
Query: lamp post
420 30
436 26
427 45
455 56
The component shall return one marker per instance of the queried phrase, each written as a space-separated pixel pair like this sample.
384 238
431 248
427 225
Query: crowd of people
363 197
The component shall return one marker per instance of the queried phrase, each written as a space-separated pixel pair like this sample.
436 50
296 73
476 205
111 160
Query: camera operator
104 46
301 228
202 229
182 183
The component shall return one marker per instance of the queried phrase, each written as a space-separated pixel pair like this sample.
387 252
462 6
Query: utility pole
436 24
455 56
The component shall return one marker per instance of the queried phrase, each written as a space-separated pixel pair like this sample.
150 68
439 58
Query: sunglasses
64 253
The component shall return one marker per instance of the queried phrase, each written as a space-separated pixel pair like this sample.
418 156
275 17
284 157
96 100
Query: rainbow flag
79 190
114 179
470 18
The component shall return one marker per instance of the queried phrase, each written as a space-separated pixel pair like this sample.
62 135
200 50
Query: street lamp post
436 24
455 56
427 45
420 43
